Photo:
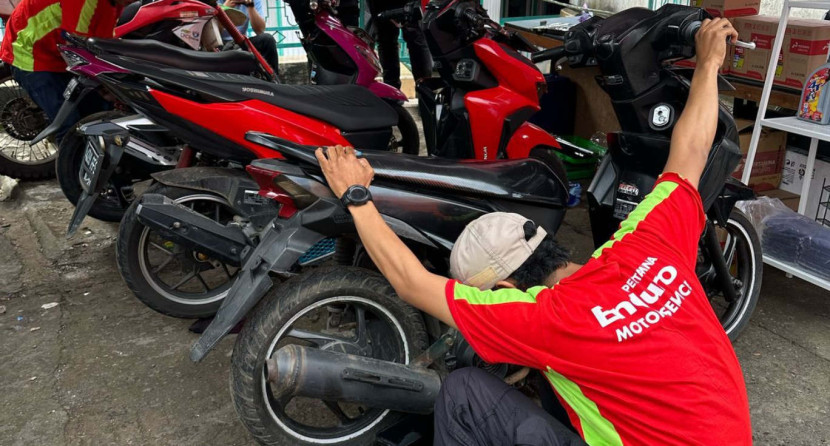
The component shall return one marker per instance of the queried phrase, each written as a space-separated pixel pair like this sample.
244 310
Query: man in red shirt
30 45
628 341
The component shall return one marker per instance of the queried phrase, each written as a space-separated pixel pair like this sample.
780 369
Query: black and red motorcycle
340 340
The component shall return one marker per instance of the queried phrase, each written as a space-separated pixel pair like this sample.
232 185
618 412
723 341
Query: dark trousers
46 89
475 408
388 52
266 44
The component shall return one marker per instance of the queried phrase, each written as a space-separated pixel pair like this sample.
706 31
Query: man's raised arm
695 130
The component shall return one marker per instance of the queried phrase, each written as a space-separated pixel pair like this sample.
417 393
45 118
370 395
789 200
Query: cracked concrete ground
101 368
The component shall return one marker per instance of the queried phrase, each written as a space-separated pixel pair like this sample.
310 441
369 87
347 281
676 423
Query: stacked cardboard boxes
769 157
804 49
730 8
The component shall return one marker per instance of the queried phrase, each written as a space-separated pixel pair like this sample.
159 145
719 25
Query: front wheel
741 250
405 136
349 310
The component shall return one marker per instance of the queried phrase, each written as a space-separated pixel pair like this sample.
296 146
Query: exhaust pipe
193 230
309 372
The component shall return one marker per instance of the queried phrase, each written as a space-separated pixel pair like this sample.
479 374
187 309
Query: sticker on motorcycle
191 34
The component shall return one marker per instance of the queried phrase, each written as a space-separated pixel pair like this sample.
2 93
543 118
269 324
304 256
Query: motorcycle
340 339
212 111
152 147
28 151
345 55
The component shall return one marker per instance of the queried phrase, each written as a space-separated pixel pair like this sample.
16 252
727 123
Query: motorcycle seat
527 180
234 61
347 107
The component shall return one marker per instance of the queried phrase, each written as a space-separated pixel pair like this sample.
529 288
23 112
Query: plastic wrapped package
789 236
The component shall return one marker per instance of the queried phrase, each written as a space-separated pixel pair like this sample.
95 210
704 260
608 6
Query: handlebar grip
687 34
392 13
554 54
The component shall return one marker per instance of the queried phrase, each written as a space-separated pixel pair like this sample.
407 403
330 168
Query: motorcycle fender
280 246
386 91
526 137
74 94
733 191
234 185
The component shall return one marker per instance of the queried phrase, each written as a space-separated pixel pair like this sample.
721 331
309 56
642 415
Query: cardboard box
795 167
788 198
805 49
752 64
769 157
731 8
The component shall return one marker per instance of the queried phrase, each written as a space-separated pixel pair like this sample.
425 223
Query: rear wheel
405 136
741 250
108 206
169 278
348 310
20 121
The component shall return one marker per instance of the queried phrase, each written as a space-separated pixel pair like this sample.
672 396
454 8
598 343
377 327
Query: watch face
358 194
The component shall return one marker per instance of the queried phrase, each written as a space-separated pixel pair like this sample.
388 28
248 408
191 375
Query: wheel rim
739 255
339 425
20 121
160 259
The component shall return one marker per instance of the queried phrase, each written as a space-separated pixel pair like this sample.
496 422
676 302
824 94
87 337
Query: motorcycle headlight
73 59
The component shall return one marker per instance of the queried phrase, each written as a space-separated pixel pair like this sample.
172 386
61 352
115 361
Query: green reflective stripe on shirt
38 26
596 429
660 193
86 16
475 296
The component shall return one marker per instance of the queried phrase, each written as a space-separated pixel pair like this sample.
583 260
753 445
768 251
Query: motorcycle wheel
742 252
108 205
20 121
169 278
343 309
405 137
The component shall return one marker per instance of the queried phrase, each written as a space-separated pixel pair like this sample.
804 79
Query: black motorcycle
338 339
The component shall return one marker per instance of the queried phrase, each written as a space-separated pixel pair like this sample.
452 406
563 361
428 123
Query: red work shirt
629 342
33 31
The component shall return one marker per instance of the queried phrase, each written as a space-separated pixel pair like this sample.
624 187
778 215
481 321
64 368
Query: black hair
547 258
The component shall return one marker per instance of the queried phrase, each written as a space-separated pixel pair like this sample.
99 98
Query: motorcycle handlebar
396 13
554 54
687 36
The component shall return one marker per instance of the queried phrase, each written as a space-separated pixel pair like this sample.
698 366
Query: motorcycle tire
410 142
67 166
13 97
275 314
748 264
138 272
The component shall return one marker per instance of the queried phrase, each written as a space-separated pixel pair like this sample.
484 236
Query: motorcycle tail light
73 59
541 89
274 186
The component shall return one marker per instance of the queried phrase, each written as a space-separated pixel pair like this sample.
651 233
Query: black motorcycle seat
527 179
347 107
233 61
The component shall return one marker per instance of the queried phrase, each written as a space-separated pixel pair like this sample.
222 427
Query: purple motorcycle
345 55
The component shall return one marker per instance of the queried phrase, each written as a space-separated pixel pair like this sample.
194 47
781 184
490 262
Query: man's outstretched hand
343 169
710 41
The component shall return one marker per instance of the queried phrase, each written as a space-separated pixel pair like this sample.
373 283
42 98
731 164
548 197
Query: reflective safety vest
33 31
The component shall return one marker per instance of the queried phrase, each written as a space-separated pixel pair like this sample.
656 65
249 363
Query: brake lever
740 44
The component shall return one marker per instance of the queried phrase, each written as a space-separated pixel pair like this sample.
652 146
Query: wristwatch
356 195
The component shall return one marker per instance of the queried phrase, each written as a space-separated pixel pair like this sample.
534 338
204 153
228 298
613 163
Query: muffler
185 227
332 376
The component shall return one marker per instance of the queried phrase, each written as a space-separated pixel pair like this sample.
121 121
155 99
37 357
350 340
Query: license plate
91 166
70 88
